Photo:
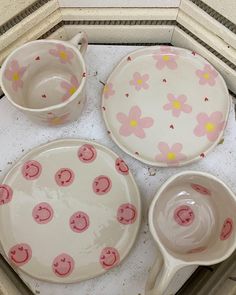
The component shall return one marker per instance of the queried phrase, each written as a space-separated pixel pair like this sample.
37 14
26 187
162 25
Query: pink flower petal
202 81
139 132
8 74
145 85
70 54
146 122
186 108
212 136
161 158
176 112
176 148
145 77
199 73
126 130
160 64
14 65
182 98
54 52
202 118
199 130
122 118
137 76
135 113
167 106
138 87
21 71
216 117
66 85
61 47
171 65
15 85
163 147
170 97
211 81
74 81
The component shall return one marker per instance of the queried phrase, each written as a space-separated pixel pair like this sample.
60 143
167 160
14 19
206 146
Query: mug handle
80 41
163 272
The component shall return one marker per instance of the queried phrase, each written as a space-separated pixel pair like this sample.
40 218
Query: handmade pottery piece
69 210
45 79
165 106
192 220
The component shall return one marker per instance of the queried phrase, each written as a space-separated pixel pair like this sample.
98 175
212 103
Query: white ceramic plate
69 211
165 106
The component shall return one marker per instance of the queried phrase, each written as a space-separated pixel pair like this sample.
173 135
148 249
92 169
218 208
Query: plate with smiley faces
69 210
165 106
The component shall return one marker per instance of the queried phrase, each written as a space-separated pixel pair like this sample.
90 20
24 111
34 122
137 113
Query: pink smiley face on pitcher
31 170
102 185
109 257
79 222
63 265
126 213
184 215
87 153
227 229
200 189
42 213
122 167
20 254
6 194
64 177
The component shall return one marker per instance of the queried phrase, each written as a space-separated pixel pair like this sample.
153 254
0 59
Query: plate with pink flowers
165 106
69 210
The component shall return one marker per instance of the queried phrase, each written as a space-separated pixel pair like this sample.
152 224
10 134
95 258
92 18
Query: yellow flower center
140 81
106 88
72 90
210 127
206 76
16 76
56 121
133 123
171 156
165 57
63 55
176 104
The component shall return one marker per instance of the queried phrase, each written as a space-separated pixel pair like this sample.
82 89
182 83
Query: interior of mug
194 218
42 74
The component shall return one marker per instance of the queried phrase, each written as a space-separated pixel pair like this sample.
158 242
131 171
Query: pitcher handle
80 41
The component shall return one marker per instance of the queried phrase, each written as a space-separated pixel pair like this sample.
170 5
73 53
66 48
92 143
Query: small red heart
206 99
108 132
193 53
44 96
164 80
136 153
129 58
172 126
37 58
127 94
84 74
202 155
103 108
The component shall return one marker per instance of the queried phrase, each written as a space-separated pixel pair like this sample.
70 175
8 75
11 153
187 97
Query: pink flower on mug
134 123
64 54
170 154
209 126
166 57
207 75
177 104
139 81
54 120
108 90
70 87
15 73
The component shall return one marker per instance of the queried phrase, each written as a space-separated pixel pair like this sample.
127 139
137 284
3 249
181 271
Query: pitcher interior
194 218
42 74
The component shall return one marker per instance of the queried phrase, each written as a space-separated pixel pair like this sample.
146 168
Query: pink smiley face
64 177
122 167
184 215
109 257
6 194
31 170
79 222
200 189
63 265
20 254
42 213
126 214
102 185
87 153
227 229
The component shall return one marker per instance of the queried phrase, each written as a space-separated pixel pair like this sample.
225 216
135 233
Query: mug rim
52 107
168 256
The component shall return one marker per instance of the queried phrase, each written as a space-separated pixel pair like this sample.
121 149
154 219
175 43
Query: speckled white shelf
18 135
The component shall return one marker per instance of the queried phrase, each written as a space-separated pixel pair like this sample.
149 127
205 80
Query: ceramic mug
191 219
45 79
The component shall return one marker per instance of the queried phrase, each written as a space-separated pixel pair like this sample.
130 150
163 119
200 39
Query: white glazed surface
165 106
17 136
102 191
